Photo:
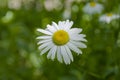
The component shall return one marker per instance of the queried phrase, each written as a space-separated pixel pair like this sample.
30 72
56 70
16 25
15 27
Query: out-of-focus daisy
52 4
15 4
8 17
108 17
93 8
60 39
67 14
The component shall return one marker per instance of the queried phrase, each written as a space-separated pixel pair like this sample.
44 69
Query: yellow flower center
60 37
92 4
109 14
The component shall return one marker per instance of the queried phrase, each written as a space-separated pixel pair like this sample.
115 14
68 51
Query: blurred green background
20 59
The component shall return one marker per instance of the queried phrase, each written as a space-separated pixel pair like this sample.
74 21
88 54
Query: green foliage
20 59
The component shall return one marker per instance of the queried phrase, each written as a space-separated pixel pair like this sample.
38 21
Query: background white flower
52 4
93 8
59 39
108 17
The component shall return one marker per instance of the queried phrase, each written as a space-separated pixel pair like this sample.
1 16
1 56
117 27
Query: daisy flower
59 40
92 8
108 17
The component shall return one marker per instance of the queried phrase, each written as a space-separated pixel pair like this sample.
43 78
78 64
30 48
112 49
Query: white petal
59 56
51 28
52 52
78 37
64 55
68 25
55 25
44 45
46 49
115 16
108 19
69 53
75 31
49 54
44 31
82 35
61 24
74 48
44 37
79 44
44 41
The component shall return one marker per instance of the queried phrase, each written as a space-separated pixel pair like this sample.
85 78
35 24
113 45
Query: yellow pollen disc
109 14
60 37
92 4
